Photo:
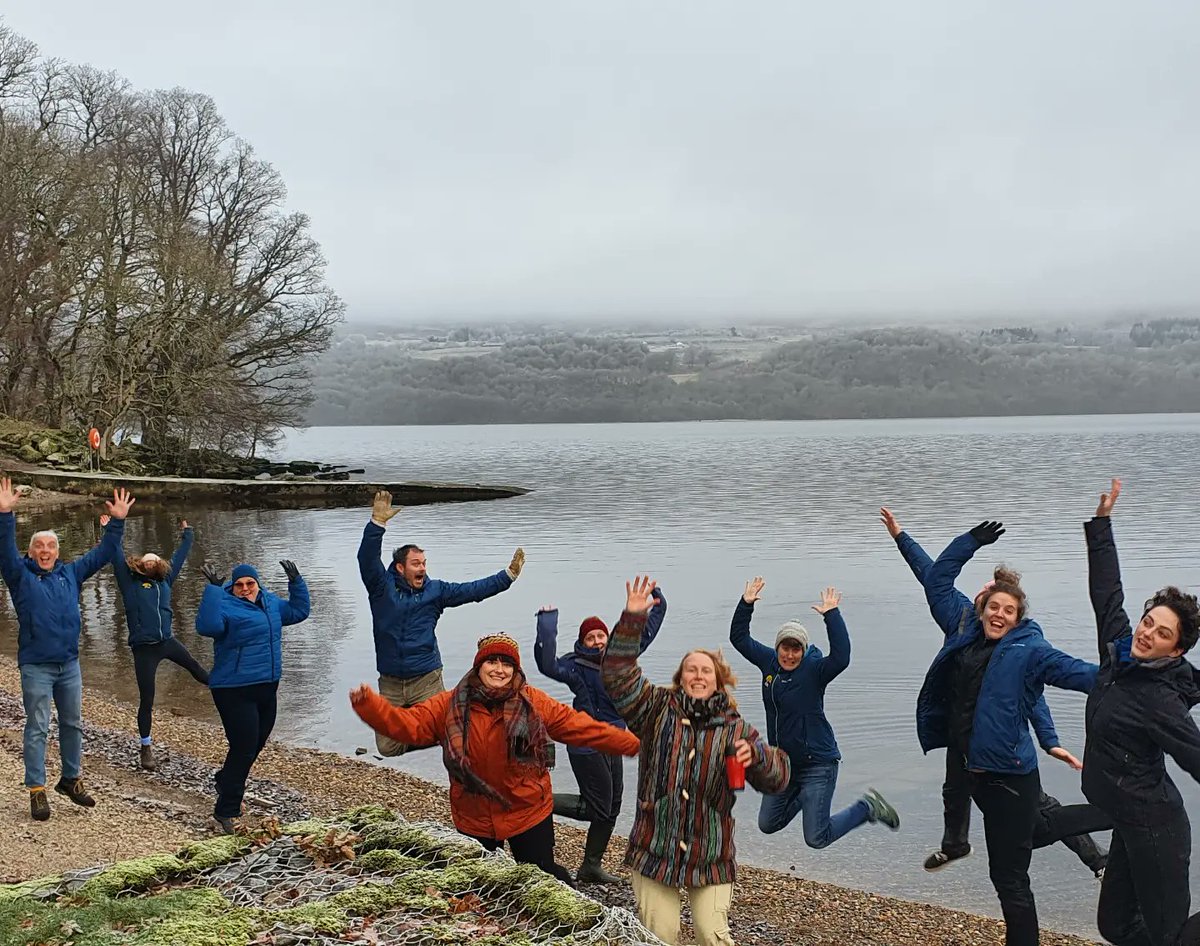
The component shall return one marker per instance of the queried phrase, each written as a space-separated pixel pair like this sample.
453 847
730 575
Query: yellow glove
517 563
381 508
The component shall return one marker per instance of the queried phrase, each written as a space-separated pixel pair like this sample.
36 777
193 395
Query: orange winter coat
487 752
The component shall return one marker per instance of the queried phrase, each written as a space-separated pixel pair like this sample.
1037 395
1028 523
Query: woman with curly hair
1139 713
695 747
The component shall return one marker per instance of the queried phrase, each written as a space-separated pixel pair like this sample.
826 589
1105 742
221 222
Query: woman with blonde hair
696 752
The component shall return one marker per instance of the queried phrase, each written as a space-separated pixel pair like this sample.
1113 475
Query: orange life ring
94 438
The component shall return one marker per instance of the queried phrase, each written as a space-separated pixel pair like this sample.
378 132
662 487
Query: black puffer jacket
1139 711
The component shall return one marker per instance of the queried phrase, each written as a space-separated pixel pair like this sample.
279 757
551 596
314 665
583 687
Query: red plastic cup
735 773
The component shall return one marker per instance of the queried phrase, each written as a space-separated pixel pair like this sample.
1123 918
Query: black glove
211 574
987 532
290 569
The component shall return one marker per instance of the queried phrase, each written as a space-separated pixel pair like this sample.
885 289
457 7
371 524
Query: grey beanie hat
792 631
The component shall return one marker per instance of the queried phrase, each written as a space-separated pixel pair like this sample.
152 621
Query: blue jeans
811 791
40 682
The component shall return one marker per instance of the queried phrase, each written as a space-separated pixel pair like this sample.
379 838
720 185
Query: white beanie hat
792 631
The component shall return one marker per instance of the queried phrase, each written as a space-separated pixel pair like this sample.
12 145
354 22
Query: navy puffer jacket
148 613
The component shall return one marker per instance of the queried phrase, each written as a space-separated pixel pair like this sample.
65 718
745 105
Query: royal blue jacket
148 611
247 638
580 669
919 561
795 700
47 602
404 619
1020 666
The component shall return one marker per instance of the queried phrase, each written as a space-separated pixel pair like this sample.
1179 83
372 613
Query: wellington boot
570 806
592 871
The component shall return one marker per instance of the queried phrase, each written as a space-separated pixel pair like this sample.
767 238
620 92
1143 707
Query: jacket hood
37 569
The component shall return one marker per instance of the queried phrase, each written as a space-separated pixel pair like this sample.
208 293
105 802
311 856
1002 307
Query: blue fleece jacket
247 636
47 602
580 669
148 613
919 561
1021 665
795 699
404 619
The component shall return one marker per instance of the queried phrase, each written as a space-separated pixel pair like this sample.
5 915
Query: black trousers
1009 805
146 658
1144 900
956 804
248 715
535 846
601 781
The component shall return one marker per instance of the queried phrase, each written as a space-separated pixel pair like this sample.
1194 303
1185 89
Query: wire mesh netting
366 876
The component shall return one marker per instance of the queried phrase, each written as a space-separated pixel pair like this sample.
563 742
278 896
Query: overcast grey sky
559 158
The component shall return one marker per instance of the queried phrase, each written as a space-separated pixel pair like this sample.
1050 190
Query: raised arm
949 606
658 611
370 568
838 658
420 725
109 549
574 728
762 656
1104 574
181 553
545 650
295 608
917 558
210 616
639 702
1061 670
10 555
455 593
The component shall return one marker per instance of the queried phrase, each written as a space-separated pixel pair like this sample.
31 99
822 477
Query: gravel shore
142 812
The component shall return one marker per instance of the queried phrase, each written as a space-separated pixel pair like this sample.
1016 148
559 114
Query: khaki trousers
659 908
404 692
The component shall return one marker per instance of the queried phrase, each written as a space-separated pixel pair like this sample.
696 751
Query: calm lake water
703 507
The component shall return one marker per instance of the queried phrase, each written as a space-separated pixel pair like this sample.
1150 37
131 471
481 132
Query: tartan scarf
701 712
526 732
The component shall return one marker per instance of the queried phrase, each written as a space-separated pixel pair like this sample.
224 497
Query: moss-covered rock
29 889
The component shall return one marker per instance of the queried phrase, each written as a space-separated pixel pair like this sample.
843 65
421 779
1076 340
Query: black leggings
535 846
248 715
1009 804
1144 900
146 658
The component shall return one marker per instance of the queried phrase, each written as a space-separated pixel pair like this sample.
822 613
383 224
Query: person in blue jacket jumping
45 595
979 695
246 624
795 674
956 789
145 582
599 775
405 607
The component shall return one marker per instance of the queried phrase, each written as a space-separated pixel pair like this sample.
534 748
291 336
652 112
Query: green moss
212 852
388 862
201 928
27 888
323 916
362 816
409 839
373 899
310 826
135 874
539 896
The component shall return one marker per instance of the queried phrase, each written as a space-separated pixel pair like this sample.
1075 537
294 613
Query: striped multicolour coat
683 829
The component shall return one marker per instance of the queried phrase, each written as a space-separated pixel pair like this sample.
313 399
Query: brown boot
74 790
146 759
39 804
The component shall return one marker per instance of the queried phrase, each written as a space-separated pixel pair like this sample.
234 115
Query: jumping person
494 729
246 622
405 607
146 581
600 775
45 595
692 736
979 694
956 788
1139 713
795 675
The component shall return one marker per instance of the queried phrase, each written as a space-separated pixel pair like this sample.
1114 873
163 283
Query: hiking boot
879 810
592 871
939 859
74 790
39 805
227 825
146 759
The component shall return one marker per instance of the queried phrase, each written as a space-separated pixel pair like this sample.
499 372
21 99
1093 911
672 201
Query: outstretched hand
517 563
290 569
889 521
987 532
382 509
360 694
830 599
119 505
1109 499
8 495
210 573
754 589
639 595
1064 756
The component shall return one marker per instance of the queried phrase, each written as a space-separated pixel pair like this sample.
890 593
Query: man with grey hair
45 595
795 675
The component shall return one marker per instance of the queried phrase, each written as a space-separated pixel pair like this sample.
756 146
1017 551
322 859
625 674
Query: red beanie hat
591 624
497 645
